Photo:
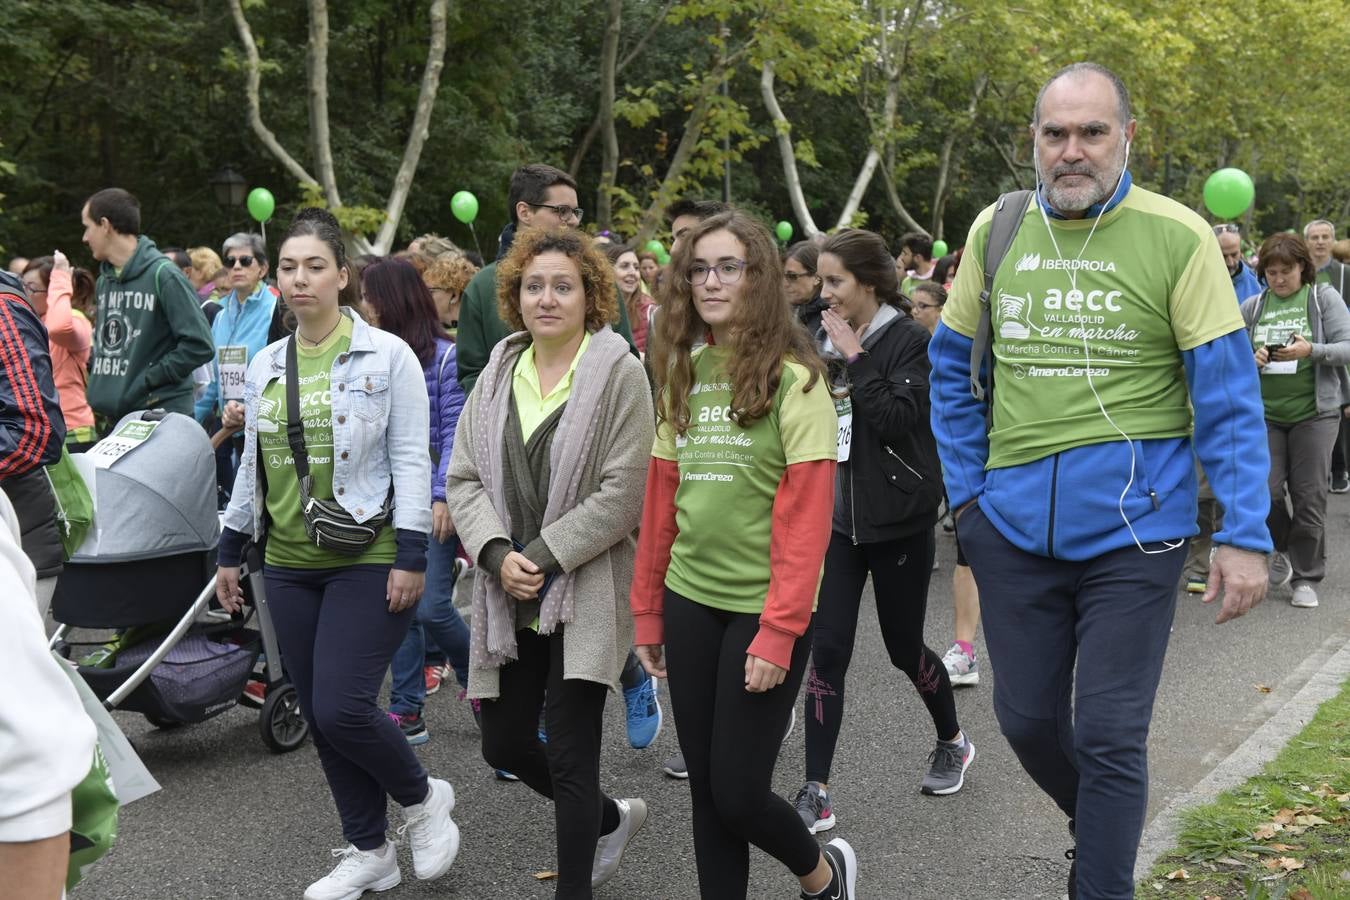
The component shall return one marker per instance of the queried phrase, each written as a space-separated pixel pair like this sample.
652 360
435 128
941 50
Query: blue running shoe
644 713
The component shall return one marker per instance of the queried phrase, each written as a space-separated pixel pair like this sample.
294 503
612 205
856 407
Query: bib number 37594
232 363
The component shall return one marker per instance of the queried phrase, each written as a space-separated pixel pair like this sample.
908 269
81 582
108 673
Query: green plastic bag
74 503
93 826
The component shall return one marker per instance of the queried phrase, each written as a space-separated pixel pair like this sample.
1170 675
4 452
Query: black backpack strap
1008 215
295 429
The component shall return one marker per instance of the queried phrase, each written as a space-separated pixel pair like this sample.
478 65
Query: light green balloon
464 205
939 249
1229 193
261 204
784 230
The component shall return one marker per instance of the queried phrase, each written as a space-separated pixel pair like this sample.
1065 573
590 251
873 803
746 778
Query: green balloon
261 204
1229 193
784 230
654 246
663 258
939 249
465 206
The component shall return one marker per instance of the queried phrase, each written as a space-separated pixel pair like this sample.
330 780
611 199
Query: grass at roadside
1283 835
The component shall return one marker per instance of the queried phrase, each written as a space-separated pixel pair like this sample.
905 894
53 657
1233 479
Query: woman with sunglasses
802 284
734 529
238 331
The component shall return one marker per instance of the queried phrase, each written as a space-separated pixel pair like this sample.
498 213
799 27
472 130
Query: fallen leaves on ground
1283 864
1301 894
1178 875
545 875
1263 688
1267 831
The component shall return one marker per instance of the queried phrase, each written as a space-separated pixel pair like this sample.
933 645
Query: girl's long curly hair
763 332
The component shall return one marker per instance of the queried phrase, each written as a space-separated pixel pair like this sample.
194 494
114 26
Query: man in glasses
540 196
1245 283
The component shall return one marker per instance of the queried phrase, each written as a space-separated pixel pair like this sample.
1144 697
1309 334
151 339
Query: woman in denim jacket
339 618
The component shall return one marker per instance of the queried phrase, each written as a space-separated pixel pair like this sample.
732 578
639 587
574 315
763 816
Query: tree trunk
316 59
252 82
949 154
609 166
417 135
783 131
593 131
693 132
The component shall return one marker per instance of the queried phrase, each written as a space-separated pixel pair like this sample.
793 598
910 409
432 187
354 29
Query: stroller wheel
161 722
280 723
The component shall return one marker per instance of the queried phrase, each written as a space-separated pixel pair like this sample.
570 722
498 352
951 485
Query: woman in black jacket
888 488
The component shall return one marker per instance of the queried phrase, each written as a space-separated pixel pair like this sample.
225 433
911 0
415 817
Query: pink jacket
69 338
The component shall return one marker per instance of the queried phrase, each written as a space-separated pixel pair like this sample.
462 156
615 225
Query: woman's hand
404 589
228 591
1262 357
762 675
1297 348
59 262
442 526
521 578
843 338
653 659
232 416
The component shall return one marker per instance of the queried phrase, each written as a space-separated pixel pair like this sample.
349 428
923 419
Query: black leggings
731 738
567 768
900 572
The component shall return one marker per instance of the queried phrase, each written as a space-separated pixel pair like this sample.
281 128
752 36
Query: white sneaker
1304 596
609 849
434 836
357 871
961 668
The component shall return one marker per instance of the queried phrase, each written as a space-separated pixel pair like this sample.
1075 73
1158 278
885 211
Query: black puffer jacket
32 429
891 485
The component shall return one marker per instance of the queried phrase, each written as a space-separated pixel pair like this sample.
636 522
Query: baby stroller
147 569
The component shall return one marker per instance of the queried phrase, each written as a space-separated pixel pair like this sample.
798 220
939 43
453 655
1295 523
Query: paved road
234 821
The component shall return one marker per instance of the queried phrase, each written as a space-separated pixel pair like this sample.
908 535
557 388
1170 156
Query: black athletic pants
731 738
900 571
567 768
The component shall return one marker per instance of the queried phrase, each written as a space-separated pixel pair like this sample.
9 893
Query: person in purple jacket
398 302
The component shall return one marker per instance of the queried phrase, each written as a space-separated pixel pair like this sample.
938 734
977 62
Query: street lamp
230 187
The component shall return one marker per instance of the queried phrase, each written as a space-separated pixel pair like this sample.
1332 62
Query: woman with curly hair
446 277
545 487
735 525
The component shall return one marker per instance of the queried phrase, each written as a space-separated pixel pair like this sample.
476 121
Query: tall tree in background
321 148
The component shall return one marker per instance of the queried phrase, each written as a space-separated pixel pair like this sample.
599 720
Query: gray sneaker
1281 570
813 805
1305 596
947 768
674 766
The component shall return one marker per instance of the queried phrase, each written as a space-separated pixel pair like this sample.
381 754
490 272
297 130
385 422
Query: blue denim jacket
381 429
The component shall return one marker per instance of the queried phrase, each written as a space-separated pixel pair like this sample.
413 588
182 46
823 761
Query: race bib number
232 363
1276 336
843 408
121 442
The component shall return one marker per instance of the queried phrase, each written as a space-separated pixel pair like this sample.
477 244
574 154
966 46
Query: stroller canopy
157 499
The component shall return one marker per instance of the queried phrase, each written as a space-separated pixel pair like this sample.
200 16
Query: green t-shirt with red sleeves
729 476
1288 389
288 544
1102 312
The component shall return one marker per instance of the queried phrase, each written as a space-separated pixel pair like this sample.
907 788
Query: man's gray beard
1070 199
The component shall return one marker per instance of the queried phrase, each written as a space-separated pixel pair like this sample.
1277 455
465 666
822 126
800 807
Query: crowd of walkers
689 473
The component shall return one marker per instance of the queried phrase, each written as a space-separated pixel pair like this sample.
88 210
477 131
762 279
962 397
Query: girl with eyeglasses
886 498
734 529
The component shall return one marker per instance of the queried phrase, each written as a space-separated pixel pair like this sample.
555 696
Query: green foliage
149 95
